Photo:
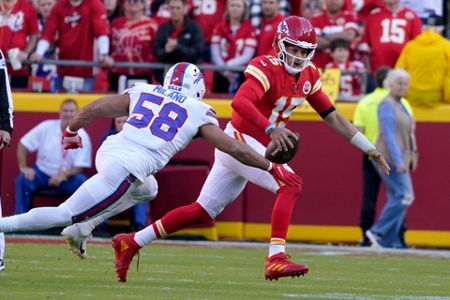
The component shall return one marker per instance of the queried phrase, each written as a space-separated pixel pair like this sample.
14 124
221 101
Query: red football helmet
296 31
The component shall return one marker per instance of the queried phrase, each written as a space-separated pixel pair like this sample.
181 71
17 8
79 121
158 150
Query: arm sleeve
83 158
32 22
215 55
6 104
242 59
51 27
103 45
33 138
98 19
388 126
321 103
416 27
243 102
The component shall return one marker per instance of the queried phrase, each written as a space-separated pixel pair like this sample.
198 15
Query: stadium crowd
356 37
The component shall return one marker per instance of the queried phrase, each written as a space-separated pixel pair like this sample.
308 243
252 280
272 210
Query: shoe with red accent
125 248
278 265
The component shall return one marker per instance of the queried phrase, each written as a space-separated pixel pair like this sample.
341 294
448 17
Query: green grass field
198 270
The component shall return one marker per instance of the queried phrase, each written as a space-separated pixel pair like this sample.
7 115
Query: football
279 156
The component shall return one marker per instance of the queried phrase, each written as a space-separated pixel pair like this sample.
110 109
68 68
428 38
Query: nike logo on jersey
263 63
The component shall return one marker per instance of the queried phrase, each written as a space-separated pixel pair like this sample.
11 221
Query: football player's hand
71 140
286 176
379 159
280 136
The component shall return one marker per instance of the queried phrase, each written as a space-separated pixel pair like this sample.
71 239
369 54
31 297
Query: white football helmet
186 79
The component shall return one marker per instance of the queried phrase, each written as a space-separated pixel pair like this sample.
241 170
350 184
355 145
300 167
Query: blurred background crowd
100 46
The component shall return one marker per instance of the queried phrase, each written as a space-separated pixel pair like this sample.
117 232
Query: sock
276 246
173 221
145 236
37 219
282 210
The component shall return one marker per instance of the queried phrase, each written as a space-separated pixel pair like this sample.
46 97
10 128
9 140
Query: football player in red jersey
274 87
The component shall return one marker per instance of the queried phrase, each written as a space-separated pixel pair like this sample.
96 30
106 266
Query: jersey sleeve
32 20
83 156
99 20
6 103
260 68
318 100
210 117
32 139
51 27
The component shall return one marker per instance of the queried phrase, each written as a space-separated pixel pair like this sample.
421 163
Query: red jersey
324 25
350 84
15 28
266 34
387 33
270 94
77 26
232 45
206 13
365 7
132 41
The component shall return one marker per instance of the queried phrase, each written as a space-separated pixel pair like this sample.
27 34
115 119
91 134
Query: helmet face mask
294 32
293 62
186 79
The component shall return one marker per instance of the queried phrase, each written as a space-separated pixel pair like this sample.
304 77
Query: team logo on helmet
283 27
307 87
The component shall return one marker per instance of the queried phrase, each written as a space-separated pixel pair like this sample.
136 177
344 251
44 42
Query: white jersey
161 123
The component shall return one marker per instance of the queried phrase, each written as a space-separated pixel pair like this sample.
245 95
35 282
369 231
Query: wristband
360 141
269 129
270 166
70 131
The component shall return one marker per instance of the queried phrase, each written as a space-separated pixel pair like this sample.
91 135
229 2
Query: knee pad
146 191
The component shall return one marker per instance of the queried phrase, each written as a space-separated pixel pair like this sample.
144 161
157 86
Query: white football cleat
76 241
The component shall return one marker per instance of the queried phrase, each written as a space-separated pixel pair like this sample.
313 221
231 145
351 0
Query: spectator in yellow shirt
427 60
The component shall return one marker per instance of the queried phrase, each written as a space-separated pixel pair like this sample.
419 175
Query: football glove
71 140
282 174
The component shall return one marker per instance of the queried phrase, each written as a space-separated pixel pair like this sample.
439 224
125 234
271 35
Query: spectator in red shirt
206 13
180 39
132 38
18 29
387 31
76 23
351 71
269 23
233 44
333 23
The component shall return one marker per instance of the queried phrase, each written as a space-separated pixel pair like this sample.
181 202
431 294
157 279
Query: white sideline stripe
330 250
361 297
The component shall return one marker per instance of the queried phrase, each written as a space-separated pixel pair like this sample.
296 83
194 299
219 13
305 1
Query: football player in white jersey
161 122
